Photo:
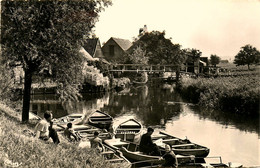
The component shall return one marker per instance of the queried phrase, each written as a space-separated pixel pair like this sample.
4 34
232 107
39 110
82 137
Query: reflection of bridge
142 68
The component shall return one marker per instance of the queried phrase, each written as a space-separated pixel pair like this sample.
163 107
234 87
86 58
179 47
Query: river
233 137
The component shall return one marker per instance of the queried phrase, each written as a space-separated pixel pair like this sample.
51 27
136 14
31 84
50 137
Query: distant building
115 48
224 61
93 47
196 65
143 30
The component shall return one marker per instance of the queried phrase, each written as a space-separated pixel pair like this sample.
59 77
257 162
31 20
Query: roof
86 55
123 43
90 46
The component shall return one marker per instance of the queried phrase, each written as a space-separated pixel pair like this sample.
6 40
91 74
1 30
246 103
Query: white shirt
43 127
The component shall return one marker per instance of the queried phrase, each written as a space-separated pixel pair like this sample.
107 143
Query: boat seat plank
99 117
169 140
116 160
182 145
107 152
159 136
119 129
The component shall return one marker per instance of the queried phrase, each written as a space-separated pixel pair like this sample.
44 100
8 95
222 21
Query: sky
218 27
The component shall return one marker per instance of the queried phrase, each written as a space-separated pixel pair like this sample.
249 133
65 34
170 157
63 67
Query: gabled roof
123 43
86 55
90 46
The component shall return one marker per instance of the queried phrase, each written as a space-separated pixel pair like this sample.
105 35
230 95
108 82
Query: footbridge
142 68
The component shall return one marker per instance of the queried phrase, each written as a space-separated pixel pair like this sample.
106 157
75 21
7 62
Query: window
111 50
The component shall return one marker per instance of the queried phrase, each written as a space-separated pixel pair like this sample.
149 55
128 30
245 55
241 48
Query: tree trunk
26 95
248 66
177 74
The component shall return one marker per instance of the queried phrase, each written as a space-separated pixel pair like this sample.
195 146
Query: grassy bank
234 94
20 149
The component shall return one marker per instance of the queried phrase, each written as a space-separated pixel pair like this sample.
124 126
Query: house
115 48
93 47
196 65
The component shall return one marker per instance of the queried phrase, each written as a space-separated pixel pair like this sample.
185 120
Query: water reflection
234 137
154 104
88 104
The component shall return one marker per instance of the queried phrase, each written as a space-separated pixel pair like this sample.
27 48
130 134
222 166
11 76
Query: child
44 130
70 133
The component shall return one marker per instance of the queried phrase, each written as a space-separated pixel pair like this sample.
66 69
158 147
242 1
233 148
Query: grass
19 149
236 94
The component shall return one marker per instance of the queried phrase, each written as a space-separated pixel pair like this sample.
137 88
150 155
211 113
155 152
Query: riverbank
21 150
234 94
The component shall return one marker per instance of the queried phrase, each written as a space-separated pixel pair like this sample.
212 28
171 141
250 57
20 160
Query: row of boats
122 144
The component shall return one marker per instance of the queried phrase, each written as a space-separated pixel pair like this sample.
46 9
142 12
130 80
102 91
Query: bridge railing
142 68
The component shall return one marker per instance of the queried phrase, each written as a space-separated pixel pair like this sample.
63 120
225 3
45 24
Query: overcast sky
218 27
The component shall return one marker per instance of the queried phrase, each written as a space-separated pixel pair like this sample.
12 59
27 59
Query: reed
236 94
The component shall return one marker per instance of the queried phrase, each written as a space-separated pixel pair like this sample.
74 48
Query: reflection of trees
88 104
241 122
147 102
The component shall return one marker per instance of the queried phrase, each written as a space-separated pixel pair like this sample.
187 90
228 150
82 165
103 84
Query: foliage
214 60
191 54
6 82
247 55
93 76
236 94
46 35
159 49
138 56
119 82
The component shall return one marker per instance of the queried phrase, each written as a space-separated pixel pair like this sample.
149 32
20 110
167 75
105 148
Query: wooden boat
60 124
89 133
100 119
128 130
130 151
74 118
115 157
180 146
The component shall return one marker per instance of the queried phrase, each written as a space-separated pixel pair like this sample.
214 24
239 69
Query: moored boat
74 118
129 130
100 119
180 146
115 157
60 124
130 151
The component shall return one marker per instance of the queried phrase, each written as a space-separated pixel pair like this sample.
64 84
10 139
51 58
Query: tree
214 60
138 56
247 55
38 35
159 49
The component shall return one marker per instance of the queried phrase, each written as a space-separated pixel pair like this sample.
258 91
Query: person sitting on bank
169 157
70 134
44 130
96 142
146 144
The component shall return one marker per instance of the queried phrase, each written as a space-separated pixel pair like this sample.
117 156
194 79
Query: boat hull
182 147
100 120
129 130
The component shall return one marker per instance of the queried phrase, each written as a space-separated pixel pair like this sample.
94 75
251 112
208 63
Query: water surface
233 137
